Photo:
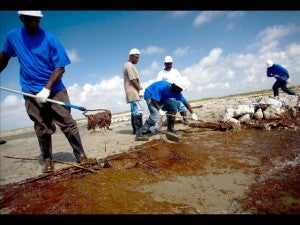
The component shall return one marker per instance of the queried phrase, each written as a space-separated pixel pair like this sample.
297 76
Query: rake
48 100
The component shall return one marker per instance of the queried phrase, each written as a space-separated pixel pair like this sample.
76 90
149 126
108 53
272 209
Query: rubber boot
138 122
78 151
185 120
145 128
45 143
171 123
132 124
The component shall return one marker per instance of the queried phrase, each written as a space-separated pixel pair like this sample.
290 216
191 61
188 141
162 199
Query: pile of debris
267 113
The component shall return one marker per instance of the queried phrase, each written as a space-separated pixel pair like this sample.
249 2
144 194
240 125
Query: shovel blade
170 137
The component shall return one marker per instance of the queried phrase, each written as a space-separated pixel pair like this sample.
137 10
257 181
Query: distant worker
169 74
133 88
42 61
161 98
282 77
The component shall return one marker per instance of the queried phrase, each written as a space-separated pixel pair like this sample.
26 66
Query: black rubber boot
145 128
138 122
132 124
171 123
184 119
76 144
45 143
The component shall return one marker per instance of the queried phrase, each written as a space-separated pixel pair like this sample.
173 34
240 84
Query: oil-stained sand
211 173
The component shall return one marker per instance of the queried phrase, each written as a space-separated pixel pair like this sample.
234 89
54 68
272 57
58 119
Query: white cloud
73 55
179 52
13 112
218 85
235 14
229 27
293 50
206 17
150 70
268 39
12 101
151 50
176 14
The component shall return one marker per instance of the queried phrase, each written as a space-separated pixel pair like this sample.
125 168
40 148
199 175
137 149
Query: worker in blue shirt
282 77
161 98
42 60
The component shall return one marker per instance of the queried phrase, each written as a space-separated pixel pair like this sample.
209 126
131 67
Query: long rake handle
176 116
292 84
72 164
48 100
288 82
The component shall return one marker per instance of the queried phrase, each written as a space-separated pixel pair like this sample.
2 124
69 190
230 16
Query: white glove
162 113
194 116
42 95
288 80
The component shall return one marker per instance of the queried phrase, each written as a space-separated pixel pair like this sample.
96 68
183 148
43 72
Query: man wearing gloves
161 98
282 77
42 61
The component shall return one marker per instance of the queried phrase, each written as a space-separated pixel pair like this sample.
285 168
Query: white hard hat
134 51
168 59
269 63
180 82
31 13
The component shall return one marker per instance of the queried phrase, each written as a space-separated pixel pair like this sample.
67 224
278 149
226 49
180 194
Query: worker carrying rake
161 98
282 77
42 61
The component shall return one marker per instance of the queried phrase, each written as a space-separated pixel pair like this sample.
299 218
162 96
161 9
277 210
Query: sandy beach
22 144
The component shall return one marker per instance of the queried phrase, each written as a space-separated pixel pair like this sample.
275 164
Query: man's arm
56 75
136 84
156 105
188 106
42 96
3 61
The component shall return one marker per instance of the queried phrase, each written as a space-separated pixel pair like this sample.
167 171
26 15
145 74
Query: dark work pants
283 85
47 115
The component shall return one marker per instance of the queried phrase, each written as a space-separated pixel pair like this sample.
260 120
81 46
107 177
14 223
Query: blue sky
220 52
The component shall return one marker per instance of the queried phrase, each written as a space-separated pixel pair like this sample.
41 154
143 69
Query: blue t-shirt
160 91
276 69
38 56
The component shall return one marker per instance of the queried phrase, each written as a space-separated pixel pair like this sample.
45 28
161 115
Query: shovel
48 100
169 136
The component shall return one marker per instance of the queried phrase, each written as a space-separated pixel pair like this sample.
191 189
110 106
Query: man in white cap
282 77
132 87
42 61
170 74
161 98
